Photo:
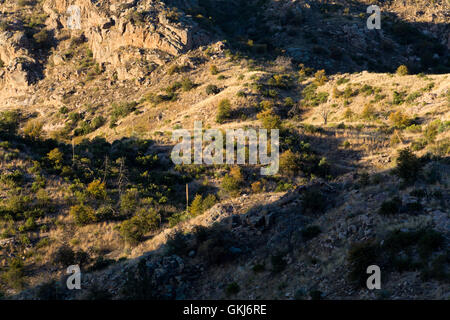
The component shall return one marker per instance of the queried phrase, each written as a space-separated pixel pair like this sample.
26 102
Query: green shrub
431 131
368 112
200 205
176 69
42 38
177 244
83 214
15 274
269 119
97 122
223 111
187 84
64 256
289 163
214 70
56 158
13 179
196 207
212 89
97 189
258 268
402 70
232 182
134 229
408 166
400 120
123 109
281 81
209 201
398 97
320 77
129 201
413 96
9 123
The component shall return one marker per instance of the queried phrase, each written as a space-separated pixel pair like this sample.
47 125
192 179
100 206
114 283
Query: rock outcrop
122 35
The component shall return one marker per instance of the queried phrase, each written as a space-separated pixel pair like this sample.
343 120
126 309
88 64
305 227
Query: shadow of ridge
258 217
327 37
272 230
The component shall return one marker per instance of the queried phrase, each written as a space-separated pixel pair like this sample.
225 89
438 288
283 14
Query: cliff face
85 158
16 56
129 38
119 33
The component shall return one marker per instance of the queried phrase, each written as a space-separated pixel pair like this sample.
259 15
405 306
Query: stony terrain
86 119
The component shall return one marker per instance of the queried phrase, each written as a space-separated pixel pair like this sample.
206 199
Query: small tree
213 69
408 166
289 163
399 119
209 201
56 158
196 207
402 70
324 113
129 201
97 189
269 119
320 77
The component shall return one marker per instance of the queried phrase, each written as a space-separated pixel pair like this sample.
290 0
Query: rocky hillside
86 121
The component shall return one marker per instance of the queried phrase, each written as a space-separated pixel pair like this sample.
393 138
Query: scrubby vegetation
86 175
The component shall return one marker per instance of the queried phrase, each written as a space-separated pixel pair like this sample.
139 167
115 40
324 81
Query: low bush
212 89
402 70
390 207
232 182
223 111
83 214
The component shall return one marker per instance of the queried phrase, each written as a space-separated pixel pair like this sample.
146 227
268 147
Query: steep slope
86 123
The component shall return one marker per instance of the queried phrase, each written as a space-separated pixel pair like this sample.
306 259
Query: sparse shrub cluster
122 110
